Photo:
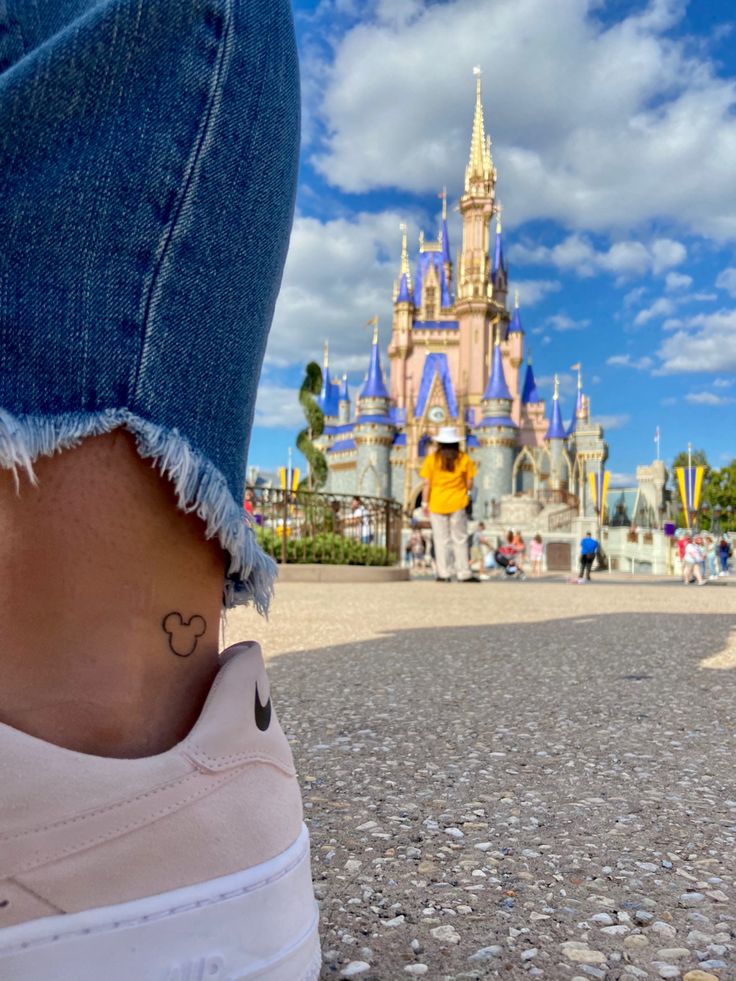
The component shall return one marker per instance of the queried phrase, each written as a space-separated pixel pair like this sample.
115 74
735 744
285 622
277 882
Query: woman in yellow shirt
448 479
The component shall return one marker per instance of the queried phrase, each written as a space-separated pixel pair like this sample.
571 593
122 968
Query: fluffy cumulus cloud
578 255
598 125
338 275
626 361
532 291
662 307
562 323
708 398
727 281
706 342
677 281
277 406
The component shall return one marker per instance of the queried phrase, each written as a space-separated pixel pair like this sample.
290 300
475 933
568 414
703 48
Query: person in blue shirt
588 550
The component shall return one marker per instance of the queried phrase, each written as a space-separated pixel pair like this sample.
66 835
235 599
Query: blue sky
614 136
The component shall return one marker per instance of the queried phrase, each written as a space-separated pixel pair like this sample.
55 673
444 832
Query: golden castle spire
480 164
326 354
557 388
516 299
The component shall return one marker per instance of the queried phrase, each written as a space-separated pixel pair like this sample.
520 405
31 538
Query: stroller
506 560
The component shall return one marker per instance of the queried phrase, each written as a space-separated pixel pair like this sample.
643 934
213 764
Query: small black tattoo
183 634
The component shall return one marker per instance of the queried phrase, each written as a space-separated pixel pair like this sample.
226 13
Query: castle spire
556 428
375 386
578 413
404 291
515 325
529 393
497 387
480 164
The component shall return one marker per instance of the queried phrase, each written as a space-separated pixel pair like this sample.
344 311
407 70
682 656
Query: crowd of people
704 556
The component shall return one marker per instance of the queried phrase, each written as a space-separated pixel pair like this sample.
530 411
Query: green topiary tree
311 387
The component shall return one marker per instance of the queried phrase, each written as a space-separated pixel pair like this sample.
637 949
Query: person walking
692 565
536 554
724 553
588 549
448 479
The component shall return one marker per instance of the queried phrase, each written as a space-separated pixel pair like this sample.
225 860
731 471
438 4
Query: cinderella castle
457 357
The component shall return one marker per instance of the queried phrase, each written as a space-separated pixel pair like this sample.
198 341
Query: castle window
430 303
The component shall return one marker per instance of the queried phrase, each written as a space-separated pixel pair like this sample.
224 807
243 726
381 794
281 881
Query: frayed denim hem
199 486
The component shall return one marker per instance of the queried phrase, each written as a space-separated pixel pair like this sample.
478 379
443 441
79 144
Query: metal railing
309 526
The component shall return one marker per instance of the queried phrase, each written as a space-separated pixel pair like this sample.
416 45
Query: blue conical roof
497 387
344 390
515 325
375 387
529 393
578 408
404 294
498 262
556 426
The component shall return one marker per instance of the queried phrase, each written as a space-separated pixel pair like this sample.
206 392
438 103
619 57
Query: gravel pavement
514 780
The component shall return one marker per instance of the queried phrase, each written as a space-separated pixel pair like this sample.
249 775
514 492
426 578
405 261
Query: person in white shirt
692 562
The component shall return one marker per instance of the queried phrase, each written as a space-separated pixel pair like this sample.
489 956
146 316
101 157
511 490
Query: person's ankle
110 598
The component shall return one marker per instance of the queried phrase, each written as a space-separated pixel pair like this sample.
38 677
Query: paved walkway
512 780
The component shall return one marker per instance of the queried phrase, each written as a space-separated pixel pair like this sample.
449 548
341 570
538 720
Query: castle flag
690 482
599 489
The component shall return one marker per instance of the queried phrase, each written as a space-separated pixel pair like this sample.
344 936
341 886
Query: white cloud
626 361
727 281
599 126
622 259
722 382
568 384
338 274
662 307
708 398
615 421
278 406
706 342
677 281
531 291
561 322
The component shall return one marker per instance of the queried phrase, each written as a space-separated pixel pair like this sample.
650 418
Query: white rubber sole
257 925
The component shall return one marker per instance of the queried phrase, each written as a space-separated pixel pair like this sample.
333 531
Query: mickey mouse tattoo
183 634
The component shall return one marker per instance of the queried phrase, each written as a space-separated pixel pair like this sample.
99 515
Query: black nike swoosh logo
263 712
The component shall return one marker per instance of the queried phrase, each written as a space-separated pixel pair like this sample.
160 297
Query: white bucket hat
448 434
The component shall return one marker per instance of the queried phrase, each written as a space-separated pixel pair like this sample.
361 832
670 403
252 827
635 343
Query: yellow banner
599 489
690 482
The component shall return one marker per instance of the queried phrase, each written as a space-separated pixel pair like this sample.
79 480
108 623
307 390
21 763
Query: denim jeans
148 158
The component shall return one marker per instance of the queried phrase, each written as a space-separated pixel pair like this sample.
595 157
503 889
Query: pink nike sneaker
188 866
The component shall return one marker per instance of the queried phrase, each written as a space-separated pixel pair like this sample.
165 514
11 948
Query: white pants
451 530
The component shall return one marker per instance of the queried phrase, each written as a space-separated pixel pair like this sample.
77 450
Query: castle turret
499 269
344 403
580 413
329 396
515 342
556 435
496 438
401 345
529 393
374 430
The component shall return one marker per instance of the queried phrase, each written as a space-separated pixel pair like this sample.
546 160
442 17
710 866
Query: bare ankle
110 599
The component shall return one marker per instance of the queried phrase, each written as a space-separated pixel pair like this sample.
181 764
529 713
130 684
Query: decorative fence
308 526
